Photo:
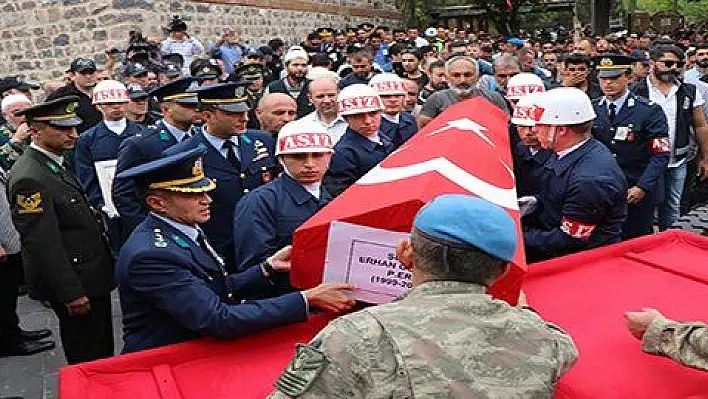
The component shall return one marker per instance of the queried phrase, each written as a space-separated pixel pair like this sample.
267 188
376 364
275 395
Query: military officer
179 110
446 338
66 255
100 143
396 124
636 132
173 285
239 159
362 146
582 203
254 74
265 220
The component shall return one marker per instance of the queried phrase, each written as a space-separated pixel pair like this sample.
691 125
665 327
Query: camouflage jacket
9 151
445 339
686 343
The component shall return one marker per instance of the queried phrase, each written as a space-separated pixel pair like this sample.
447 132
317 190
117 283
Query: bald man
323 95
274 111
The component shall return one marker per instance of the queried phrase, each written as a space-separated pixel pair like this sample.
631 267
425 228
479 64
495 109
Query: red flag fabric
465 150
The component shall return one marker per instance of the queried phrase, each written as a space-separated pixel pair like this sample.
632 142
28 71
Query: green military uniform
686 343
444 339
65 252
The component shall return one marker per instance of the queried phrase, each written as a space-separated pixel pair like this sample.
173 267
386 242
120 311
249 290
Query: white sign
366 257
106 172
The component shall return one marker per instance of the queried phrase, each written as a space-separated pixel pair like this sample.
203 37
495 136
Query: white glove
527 205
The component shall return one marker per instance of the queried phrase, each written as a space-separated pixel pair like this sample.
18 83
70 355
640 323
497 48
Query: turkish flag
465 150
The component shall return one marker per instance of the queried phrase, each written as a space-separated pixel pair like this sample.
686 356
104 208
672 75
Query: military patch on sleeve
30 203
159 239
302 371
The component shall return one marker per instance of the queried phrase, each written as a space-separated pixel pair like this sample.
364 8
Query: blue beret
471 221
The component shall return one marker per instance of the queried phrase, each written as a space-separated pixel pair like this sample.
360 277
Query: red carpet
586 294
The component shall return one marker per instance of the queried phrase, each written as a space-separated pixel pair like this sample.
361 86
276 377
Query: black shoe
25 348
35 335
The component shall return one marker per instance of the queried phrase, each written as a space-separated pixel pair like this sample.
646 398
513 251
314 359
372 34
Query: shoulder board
180 241
159 239
245 138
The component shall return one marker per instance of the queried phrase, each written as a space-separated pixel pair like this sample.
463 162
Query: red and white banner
465 151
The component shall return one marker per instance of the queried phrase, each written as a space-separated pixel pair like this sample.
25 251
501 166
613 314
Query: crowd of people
180 173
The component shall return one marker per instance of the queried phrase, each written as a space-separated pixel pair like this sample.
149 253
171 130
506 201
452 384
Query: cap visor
137 97
187 101
610 73
172 74
27 86
201 186
68 122
235 107
250 77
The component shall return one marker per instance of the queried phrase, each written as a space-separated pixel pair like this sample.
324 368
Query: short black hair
321 60
657 52
577 58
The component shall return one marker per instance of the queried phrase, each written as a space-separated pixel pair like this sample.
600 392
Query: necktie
231 153
201 240
613 113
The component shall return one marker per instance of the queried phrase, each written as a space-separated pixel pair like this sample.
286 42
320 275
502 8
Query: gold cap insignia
239 92
71 107
198 168
606 62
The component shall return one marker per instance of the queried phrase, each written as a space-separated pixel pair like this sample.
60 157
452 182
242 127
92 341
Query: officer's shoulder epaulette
159 239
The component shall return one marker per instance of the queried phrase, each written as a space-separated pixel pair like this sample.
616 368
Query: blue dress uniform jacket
255 169
582 204
172 291
264 220
638 139
98 144
143 147
354 155
401 132
530 170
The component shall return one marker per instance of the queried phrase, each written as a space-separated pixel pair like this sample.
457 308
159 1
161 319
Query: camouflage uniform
9 151
686 343
445 339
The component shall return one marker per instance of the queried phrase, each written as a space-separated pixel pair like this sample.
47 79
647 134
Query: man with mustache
295 83
462 77
82 72
688 131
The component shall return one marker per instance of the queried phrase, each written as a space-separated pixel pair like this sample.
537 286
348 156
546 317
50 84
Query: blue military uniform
530 171
254 167
354 156
638 138
582 204
264 220
399 133
173 286
143 147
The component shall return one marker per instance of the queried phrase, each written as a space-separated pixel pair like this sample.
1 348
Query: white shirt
668 104
618 102
116 127
392 118
336 129
54 157
567 151
176 132
218 143
313 188
375 138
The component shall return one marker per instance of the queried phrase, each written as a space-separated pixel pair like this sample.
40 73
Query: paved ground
35 377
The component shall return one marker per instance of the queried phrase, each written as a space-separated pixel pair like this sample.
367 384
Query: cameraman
180 42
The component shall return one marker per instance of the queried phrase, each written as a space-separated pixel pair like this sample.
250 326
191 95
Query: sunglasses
671 63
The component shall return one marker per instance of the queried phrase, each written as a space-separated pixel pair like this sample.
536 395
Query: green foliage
694 11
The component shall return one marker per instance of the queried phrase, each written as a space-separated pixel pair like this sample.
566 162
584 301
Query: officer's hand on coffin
280 261
331 297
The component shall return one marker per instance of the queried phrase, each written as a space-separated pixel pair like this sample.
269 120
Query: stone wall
39 38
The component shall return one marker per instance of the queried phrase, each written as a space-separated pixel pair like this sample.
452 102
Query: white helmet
388 84
525 110
358 99
431 32
564 106
522 84
299 137
110 91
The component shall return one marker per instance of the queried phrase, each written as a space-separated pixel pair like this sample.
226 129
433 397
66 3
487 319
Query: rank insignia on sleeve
302 371
30 203
159 239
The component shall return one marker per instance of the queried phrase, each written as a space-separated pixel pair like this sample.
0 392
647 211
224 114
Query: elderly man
274 111
239 159
295 84
264 220
462 78
174 286
323 94
14 132
447 337
363 146
585 201
65 253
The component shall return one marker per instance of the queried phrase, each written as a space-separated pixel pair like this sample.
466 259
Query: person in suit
396 124
265 220
99 144
179 110
174 286
239 159
636 132
14 341
66 254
